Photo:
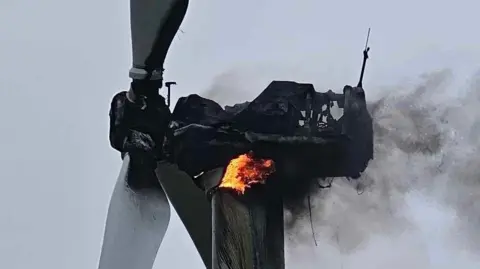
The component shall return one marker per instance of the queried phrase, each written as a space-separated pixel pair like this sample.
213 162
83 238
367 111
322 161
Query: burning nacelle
303 131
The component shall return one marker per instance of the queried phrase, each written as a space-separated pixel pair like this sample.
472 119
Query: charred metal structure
289 122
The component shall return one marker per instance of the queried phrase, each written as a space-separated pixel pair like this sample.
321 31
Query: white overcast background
62 61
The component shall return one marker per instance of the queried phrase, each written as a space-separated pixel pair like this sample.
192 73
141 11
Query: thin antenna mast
365 57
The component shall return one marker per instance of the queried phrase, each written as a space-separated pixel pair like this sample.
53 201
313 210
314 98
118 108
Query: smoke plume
417 205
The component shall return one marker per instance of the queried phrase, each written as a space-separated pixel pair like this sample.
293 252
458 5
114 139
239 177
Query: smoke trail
419 200
417 204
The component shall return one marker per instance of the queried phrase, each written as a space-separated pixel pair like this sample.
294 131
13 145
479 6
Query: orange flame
244 171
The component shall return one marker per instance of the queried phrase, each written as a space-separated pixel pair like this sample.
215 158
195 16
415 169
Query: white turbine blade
136 225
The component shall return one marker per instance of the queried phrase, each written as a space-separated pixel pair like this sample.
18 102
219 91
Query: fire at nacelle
244 171
315 134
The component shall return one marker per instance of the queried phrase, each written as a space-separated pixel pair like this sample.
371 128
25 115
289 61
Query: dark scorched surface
288 122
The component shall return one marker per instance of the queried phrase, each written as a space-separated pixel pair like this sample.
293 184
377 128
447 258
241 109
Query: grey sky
62 61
